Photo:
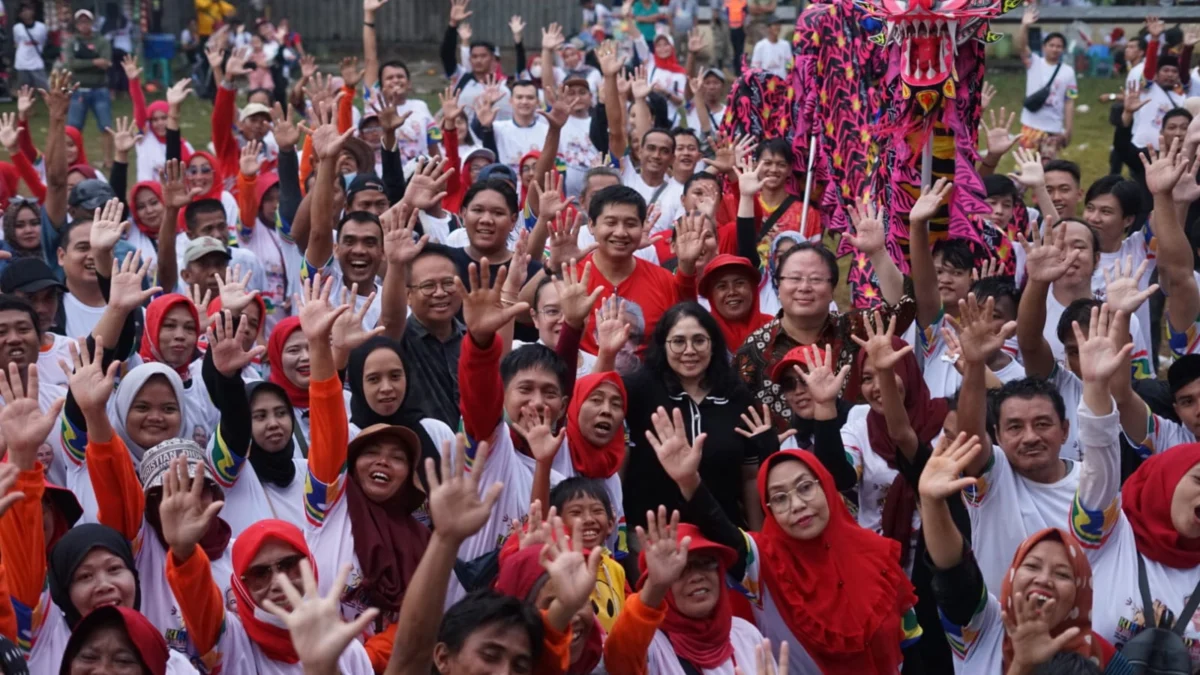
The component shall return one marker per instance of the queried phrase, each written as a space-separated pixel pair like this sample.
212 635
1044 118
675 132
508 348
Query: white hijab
122 401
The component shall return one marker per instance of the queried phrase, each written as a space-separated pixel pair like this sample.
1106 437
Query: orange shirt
737 12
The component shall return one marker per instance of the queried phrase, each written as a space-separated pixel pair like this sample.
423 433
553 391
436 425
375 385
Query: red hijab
265 182
927 415
157 106
214 307
670 63
156 312
520 576
1087 644
214 192
735 331
10 183
1146 499
77 138
147 640
266 631
704 643
589 460
283 330
154 187
843 593
84 168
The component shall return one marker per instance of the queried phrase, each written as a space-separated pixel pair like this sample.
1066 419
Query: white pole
927 162
808 178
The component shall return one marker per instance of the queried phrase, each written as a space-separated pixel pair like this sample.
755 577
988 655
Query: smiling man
83 301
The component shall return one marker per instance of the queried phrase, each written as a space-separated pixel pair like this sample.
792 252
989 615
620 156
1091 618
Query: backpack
1160 650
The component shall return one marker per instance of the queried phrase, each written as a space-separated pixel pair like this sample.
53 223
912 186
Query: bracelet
368 24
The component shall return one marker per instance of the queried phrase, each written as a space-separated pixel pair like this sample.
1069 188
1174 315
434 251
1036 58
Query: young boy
772 54
585 501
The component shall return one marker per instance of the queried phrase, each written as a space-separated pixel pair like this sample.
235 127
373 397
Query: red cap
724 263
797 356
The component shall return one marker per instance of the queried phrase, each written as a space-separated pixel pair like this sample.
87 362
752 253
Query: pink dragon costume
872 81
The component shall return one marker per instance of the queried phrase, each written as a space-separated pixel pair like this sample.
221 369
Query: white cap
84 12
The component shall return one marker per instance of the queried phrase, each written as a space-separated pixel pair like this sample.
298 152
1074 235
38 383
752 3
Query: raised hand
1028 626
611 330
127 294
185 518
931 199
319 634
485 108
352 74
532 533
572 573
249 163
24 101
317 313
1046 261
427 187
130 64
609 58
125 136
988 268
176 193
179 92
689 239
483 312
666 555
348 331
326 140
24 424
550 201
977 337
868 229
564 240
107 226
1133 98
200 297
90 385
942 477
308 62
1187 190
878 345
536 427
236 66
1030 16
999 140
560 110
749 174
399 245
232 290
1121 283
465 33
228 353
573 295
696 42
455 505
450 108
824 386
1155 26
287 134
10 133
755 423
986 95
765 664
58 95
678 457
1030 171
641 83
1105 350
389 118
1164 168
552 37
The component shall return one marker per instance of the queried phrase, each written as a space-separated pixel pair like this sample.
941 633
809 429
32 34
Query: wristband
369 24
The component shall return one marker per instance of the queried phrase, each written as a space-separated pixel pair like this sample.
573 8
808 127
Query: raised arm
610 65
1046 261
176 196
222 373
1021 39
1164 171
552 39
176 95
883 356
400 247
979 341
136 96
327 143
924 276
999 139
1032 176
58 100
370 50
458 510
449 48
869 240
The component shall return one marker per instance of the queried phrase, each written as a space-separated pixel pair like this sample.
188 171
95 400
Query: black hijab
276 468
68 554
408 416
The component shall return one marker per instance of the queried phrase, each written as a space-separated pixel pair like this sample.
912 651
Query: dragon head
929 33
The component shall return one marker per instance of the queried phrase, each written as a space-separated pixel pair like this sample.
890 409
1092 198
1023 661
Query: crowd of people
553 379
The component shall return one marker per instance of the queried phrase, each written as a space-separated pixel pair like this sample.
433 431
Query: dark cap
91 194
362 183
579 75
501 171
28 275
717 73
1183 372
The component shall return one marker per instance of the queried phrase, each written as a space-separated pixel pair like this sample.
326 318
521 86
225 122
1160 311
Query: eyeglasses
806 491
679 344
701 563
199 170
428 288
551 313
790 384
259 577
813 282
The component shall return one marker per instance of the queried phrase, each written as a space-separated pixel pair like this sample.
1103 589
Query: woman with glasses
203 173
249 639
834 591
686 369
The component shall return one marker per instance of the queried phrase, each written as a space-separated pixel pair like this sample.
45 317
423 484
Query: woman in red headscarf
253 639
172 331
833 590
1152 524
666 74
1049 582
152 122
730 284
525 168
596 436
110 633
695 626
287 354
147 209
203 173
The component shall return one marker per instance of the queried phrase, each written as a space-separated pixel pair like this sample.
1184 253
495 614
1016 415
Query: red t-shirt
648 293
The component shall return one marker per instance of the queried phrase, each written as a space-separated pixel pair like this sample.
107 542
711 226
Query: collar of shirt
420 331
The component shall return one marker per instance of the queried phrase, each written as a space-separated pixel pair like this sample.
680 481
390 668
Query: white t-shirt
669 200
31 42
1141 340
1102 528
1006 508
1134 77
773 57
145 245
242 258
236 653
576 150
1148 120
279 279
249 499
874 475
1051 115
152 155
1070 387
661 658
715 117
942 378
514 141
412 138
978 647
1139 246
81 318
49 372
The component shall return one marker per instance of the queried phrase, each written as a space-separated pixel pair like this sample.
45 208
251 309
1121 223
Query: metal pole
927 162
808 178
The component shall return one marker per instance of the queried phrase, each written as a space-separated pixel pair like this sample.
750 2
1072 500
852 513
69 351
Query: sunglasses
259 577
